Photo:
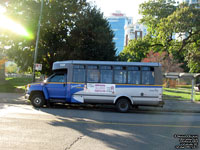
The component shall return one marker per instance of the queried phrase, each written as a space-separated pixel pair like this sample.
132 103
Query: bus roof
63 64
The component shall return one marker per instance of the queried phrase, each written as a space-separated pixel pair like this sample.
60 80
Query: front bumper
27 96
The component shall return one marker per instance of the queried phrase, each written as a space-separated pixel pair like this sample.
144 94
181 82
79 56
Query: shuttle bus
123 84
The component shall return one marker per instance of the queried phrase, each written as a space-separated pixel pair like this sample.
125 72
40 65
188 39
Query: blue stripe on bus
74 88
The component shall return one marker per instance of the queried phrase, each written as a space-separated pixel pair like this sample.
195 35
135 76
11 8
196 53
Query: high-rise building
134 31
190 1
117 22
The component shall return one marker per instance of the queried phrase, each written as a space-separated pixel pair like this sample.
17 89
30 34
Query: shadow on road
100 124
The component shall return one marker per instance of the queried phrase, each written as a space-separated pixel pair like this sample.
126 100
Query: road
77 128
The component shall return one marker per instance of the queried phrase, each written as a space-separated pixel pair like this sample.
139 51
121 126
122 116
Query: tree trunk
2 73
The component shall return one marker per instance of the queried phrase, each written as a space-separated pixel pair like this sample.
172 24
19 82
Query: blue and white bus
123 84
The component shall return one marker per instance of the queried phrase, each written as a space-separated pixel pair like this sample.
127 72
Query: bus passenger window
92 74
133 75
120 74
106 74
79 73
148 75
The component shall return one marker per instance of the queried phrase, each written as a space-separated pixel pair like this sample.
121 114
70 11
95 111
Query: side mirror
45 82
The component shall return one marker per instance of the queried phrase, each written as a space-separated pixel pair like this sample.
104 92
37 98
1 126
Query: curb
20 103
177 111
153 109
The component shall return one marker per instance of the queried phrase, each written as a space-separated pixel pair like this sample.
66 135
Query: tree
2 65
193 56
11 68
92 38
185 22
166 21
153 12
2 69
136 50
169 64
61 21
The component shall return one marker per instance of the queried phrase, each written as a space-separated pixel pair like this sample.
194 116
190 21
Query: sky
128 7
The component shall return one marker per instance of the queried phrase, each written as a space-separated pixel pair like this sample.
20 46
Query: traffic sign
38 67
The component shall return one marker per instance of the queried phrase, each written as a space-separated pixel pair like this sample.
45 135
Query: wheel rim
37 101
123 106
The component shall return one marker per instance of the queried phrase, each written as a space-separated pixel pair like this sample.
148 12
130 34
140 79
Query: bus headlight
27 87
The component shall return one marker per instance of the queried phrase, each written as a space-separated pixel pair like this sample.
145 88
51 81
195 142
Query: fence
14 75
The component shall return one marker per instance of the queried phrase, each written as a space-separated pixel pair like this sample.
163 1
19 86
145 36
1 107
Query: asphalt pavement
24 128
170 105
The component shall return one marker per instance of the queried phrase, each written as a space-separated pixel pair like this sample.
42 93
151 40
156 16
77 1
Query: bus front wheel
123 105
37 100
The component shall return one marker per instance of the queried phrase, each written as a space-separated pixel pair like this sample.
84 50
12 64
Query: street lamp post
37 40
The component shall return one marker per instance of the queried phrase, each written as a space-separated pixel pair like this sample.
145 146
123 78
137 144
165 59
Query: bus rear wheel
123 105
37 100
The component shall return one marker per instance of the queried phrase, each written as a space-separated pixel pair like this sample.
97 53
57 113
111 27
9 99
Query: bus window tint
120 74
106 74
92 74
78 73
147 75
133 75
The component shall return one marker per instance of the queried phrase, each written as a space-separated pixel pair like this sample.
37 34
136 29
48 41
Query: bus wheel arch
123 104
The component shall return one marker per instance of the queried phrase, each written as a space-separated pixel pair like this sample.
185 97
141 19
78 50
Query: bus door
57 86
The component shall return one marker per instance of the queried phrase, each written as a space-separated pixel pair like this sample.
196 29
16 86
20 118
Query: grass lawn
179 94
13 85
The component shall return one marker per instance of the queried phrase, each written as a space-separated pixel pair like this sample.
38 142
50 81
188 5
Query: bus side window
92 73
119 74
79 73
133 75
106 74
148 75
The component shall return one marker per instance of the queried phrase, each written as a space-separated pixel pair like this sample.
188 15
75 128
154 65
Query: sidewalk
170 105
175 106
13 98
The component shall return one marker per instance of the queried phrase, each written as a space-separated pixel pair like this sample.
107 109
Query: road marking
132 124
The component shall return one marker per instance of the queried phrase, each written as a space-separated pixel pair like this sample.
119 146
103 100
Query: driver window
57 78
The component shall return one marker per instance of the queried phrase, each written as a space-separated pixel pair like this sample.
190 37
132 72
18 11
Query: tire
37 100
123 105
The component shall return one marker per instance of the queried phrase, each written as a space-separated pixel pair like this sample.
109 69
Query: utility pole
37 40
193 93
